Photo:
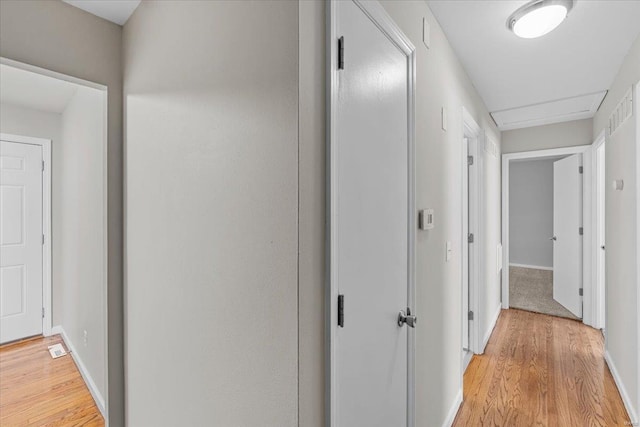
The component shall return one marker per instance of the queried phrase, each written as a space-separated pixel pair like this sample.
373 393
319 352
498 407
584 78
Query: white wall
211 101
557 135
531 212
80 243
441 81
622 317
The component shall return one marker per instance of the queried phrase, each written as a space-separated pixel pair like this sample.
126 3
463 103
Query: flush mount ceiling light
538 17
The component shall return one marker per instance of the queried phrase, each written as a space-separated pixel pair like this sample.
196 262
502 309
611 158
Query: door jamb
472 201
598 312
45 144
385 23
586 151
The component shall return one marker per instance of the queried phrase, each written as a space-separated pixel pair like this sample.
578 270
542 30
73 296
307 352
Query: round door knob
554 238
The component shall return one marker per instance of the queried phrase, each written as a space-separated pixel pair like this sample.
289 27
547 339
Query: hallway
541 370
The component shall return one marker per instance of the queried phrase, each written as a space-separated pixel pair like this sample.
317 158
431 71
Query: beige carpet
532 290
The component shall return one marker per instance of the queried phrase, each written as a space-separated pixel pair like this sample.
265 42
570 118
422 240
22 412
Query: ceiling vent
621 113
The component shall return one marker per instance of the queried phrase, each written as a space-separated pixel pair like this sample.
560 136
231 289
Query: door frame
102 402
47 301
472 254
587 238
383 21
598 289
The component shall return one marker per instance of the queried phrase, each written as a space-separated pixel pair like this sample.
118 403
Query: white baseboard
628 404
451 416
492 325
535 267
91 385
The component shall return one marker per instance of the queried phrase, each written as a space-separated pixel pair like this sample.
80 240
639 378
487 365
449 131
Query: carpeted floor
532 290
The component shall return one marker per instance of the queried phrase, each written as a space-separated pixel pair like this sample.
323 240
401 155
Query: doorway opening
548 237
54 216
472 237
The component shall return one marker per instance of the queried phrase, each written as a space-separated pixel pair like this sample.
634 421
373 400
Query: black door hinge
470 160
341 311
580 292
580 231
580 170
470 238
470 315
341 53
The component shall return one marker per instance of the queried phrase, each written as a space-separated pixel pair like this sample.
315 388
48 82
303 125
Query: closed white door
567 236
20 241
371 246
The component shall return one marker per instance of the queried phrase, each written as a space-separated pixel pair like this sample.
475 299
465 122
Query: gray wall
441 81
557 135
81 238
211 101
531 212
621 217
63 38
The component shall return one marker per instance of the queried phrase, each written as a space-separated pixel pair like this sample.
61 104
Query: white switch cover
426 33
448 251
444 119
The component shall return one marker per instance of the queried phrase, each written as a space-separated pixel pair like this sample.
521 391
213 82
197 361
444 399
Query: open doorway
54 231
545 220
549 206
472 238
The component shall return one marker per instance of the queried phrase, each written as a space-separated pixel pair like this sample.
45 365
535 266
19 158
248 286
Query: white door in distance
20 241
567 220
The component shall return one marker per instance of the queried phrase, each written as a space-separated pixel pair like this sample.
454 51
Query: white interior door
567 220
371 232
20 241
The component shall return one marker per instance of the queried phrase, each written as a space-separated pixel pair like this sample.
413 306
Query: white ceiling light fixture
538 17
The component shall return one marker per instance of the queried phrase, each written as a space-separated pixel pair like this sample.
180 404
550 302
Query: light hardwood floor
541 370
36 390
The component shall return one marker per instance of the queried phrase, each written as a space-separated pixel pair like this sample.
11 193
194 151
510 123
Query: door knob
554 238
407 318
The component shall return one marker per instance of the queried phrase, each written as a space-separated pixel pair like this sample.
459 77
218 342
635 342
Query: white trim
47 301
628 404
86 376
597 317
453 411
472 201
466 359
636 111
541 154
535 267
492 326
49 73
383 21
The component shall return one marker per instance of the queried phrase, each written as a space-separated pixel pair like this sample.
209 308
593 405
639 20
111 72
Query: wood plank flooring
36 390
541 370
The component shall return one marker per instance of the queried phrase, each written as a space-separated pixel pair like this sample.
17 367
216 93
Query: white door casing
567 223
372 220
21 241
